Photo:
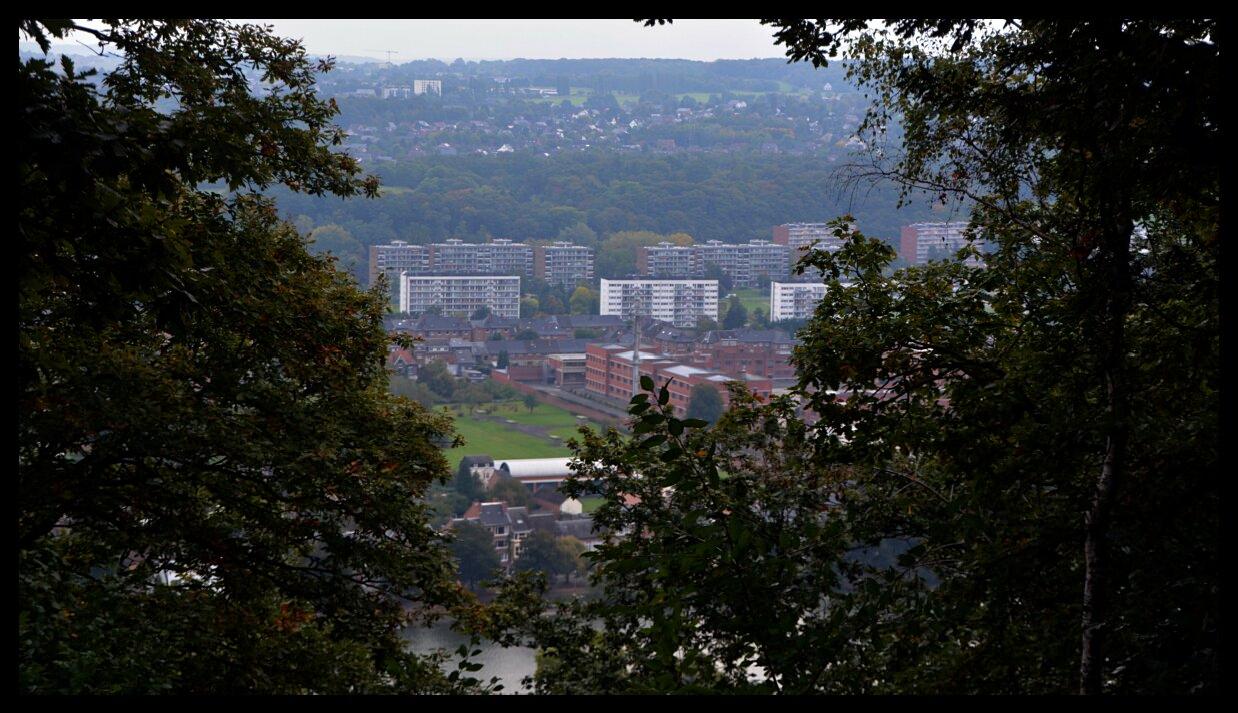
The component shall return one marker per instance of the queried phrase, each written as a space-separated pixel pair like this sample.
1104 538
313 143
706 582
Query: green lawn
543 415
577 97
589 504
555 420
499 440
626 99
702 97
753 297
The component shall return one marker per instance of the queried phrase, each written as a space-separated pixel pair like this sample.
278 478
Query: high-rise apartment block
794 300
680 302
921 242
503 257
563 264
744 263
800 237
497 257
666 260
395 258
460 295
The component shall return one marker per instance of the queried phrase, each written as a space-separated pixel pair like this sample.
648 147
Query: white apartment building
666 260
563 264
460 295
427 86
800 237
680 302
395 258
794 300
921 242
497 257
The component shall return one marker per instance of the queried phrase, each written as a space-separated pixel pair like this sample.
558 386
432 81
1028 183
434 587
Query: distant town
462 303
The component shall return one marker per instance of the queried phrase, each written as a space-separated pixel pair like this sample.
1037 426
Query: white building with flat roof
395 258
921 242
680 302
428 86
794 300
460 295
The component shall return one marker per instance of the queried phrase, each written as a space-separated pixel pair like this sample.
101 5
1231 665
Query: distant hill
82 56
349 58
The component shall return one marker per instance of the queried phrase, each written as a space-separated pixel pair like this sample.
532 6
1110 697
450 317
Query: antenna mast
636 305
389 53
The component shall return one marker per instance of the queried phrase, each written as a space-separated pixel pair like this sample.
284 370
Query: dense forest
521 197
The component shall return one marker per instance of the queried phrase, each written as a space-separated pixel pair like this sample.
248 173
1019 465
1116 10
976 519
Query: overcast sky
530 39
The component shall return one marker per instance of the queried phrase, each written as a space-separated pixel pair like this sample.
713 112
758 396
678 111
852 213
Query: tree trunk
1096 588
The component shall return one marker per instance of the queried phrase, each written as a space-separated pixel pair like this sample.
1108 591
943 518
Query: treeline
733 198
625 75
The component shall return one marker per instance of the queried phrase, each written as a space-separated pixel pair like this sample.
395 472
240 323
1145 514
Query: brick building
608 373
764 353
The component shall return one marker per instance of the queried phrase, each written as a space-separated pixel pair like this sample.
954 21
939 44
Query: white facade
681 302
427 86
563 264
800 236
460 295
794 300
395 258
921 242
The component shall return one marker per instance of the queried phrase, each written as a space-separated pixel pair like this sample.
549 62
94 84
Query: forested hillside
733 198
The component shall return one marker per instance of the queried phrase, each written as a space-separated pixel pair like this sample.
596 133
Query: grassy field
492 435
702 97
543 415
577 97
482 436
625 99
753 297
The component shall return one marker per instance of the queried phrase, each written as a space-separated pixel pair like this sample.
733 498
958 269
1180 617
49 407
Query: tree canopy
1051 406
705 403
216 491
473 548
736 314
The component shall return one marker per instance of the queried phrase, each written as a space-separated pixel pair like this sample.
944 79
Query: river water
509 664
